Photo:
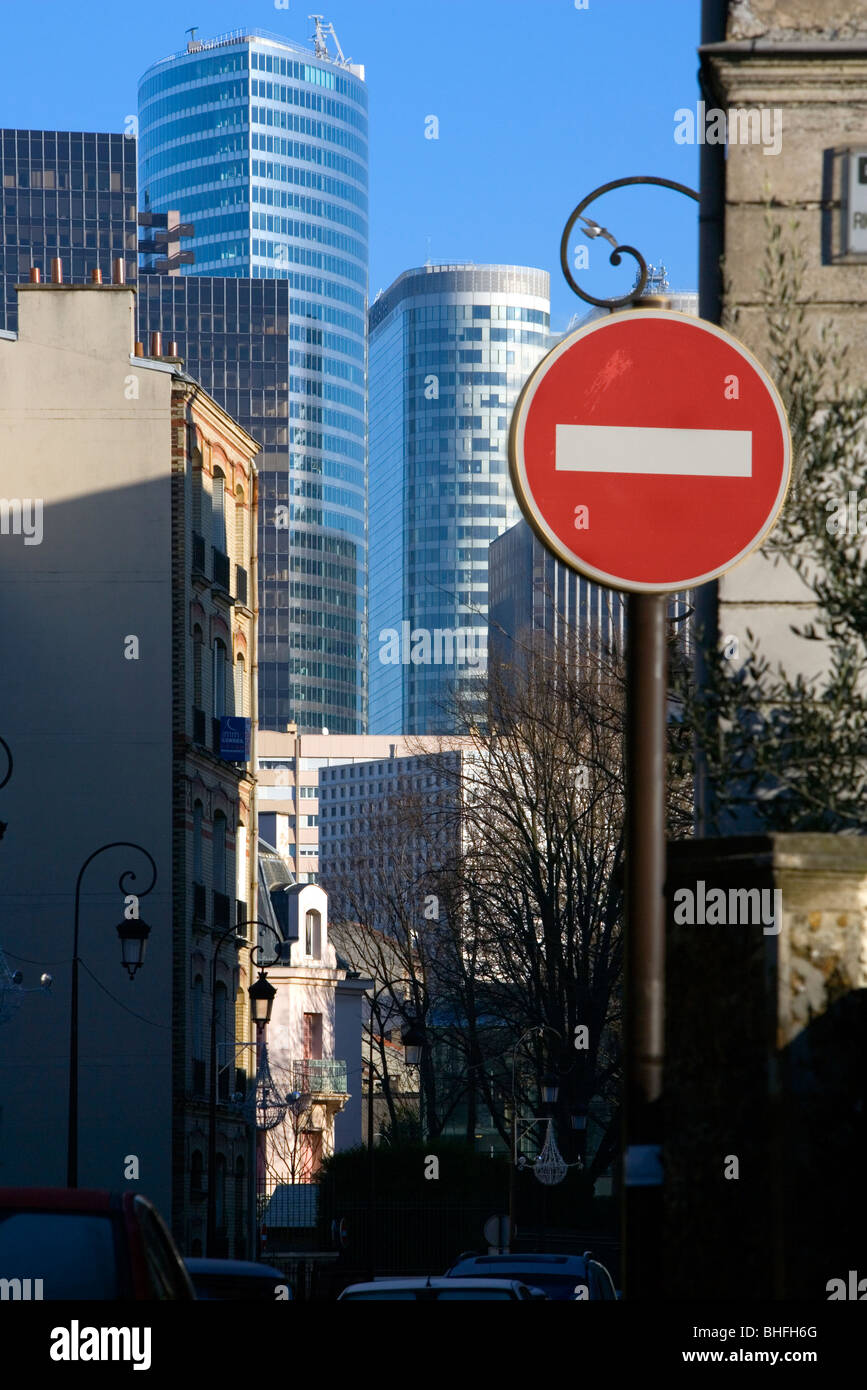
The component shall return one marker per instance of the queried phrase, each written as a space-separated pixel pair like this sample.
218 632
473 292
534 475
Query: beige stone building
804 65
289 773
127 593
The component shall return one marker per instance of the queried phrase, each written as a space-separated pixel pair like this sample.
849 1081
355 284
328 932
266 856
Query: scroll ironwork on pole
593 229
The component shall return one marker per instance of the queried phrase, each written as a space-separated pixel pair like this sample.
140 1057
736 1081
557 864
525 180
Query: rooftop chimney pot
139 350
56 271
96 276
35 276
118 271
156 343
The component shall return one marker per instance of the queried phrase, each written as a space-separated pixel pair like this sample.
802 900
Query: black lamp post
133 935
8 773
550 1089
414 1039
211 1217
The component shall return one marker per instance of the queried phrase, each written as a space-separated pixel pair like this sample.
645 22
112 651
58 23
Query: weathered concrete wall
806 60
766 1040
785 19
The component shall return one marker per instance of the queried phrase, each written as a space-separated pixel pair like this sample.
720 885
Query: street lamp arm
619 251
7 750
72 1116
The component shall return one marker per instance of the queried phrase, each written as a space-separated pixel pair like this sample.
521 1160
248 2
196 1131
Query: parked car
86 1244
562 1277
439 1290
240 1280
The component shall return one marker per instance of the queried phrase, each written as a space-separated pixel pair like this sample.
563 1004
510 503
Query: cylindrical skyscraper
262 145
450 348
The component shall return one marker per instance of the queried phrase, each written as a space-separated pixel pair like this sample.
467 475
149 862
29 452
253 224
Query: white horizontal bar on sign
634 449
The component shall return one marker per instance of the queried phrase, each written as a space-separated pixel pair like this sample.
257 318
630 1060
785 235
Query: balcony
221 570
199 726
200 903
222 911
240 584
321 1076
198 554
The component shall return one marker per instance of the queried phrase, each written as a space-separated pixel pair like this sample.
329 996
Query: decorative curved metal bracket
6 749
594 230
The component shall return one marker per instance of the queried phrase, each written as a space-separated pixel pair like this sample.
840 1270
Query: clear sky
538 103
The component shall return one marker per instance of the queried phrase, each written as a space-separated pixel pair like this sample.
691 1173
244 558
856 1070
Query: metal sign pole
644 932
644 943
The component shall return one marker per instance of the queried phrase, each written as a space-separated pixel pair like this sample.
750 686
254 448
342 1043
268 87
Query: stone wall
766 1041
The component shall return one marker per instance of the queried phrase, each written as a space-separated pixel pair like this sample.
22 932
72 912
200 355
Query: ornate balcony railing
319 1076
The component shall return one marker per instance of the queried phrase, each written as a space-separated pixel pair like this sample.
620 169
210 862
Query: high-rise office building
450 348
536 602
261 143
66 194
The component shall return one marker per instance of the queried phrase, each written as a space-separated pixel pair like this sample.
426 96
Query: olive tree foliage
785 751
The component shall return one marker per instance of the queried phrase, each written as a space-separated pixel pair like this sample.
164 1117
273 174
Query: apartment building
127 566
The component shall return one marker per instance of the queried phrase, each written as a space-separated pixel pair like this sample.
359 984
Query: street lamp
262 995
133 934
413 1038
133 939
240 940
550 1089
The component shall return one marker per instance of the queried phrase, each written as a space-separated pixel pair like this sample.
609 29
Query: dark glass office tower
70 194
450 348
244 340
261 143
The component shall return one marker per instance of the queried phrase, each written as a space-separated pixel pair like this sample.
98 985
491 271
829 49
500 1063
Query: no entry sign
650 451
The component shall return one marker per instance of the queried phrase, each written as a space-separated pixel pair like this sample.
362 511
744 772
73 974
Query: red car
75 1243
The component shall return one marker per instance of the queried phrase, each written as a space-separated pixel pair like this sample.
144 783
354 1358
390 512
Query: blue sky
538 103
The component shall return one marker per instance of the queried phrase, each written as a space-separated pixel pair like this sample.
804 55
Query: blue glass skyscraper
261 143
450 348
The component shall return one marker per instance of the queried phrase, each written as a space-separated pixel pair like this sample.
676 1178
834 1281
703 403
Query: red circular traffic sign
650 451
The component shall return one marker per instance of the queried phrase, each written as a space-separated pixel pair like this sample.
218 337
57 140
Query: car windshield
405 1295
554 1285
71 1252
489 1295
234 1286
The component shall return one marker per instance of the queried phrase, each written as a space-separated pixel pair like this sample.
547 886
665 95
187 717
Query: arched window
218 510
241 863
197 843
198 1019
198 665
240 1212
313 934
220 1178
240 518
219 678
197 1174
219 852
240 683
197 490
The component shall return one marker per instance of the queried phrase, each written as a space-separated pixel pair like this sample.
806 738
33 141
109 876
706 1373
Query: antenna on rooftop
320 40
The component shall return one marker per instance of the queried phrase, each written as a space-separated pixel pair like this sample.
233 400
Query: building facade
262 145
533 596
112 605
291 770
314 1058
70 194
450 349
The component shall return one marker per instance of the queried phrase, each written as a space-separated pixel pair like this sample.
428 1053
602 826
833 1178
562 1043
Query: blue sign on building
234 738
